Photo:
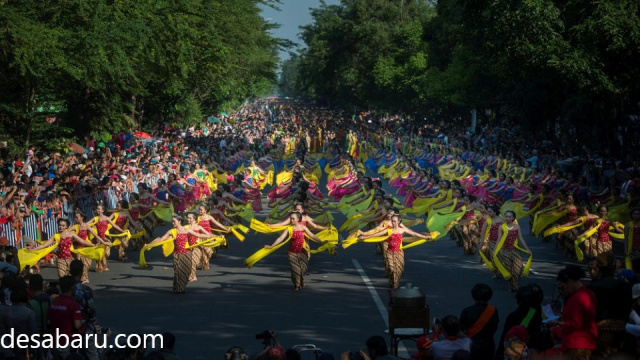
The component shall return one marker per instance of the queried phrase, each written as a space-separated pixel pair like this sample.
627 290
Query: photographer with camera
272 348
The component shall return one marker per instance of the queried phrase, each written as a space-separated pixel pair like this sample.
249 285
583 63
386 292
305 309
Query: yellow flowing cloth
358 224
354 219
93 252
386 168
616 235
239 170
274 212
244 211
546 219
439 222
560 229
210 242
519 208
346 200
505 273
584 236
423 205
139 234
351 210
262 253
445 210
353 238
328 247
211 182
330 234
317 172
234 230
30 258
327 168
415 241
486 261
629 248
621 212
126 234
260 227
164 213
221 177
345 203
269 177
165 250
312 178
412 222
283 176
329 237
324 218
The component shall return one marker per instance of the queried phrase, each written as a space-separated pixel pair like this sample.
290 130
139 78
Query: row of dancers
479 209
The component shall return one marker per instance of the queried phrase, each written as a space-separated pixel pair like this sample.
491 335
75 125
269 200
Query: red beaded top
493 232
64 248
180 242
395 242
102 227
510 241
297 242
603 232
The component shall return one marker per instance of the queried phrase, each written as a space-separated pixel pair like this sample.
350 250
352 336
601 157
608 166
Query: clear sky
292 15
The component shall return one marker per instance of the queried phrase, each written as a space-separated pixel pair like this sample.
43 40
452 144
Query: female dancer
306 219
83 230
182 257
603 240
197 255
63 239
146 202
123 219
394 256
298 248
103 223
207 222
218 210
567 239
466 228
507 254
489 233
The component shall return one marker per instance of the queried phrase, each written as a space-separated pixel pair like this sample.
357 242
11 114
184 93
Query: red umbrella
141 135
75 147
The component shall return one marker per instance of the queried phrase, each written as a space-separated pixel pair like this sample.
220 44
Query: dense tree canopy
539 61
104 66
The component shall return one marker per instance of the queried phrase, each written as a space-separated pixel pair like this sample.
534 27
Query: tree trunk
28 115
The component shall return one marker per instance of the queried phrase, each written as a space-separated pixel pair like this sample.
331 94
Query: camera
235 353
6 248
266 337
6 252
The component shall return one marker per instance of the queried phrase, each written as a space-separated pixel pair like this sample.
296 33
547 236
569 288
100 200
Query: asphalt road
336 311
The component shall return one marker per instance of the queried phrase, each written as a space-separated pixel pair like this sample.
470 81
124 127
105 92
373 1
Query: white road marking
402 350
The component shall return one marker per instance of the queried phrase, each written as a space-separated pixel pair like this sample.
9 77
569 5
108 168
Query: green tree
109 66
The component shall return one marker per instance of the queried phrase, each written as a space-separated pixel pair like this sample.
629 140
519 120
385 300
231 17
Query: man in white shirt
453 341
